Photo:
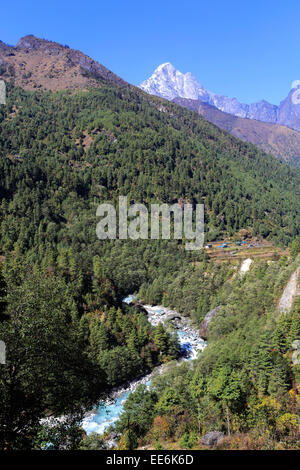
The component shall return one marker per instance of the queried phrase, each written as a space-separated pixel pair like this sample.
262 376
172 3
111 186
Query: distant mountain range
270 127
170 83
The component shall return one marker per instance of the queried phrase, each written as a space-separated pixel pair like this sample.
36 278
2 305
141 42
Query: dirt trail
290 292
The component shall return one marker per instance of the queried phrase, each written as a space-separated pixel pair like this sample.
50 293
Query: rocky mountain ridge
39 63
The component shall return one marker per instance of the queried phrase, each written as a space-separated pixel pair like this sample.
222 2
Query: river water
108 412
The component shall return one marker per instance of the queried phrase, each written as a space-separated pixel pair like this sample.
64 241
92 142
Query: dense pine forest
69 337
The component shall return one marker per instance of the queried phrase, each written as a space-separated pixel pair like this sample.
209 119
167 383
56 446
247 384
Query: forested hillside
243 383
279 140
63 153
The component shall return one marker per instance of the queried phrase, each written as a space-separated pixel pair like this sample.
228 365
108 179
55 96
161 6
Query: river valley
108 412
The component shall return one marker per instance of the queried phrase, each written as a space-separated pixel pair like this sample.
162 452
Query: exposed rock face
263 111
296 344
2 92
291 291
203 331
212 439
245 266
170 83
229 105
174 316
296 352
4 47
38 63
289 109
33 43
139 307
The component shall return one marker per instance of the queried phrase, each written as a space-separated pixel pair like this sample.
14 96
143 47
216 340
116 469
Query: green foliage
243 380
138 411
51 182
128 440
167 401
68 336
158 446
188 441
92 442
295 247
46 368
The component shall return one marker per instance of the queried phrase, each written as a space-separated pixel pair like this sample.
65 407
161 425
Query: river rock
296 344
212 439
203 331
174 316
139 307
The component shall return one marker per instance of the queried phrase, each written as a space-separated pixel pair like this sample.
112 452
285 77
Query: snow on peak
295 84
169 83
166 65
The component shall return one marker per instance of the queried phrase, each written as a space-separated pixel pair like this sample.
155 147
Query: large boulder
138 307
296 344
174 316
212 439
203 331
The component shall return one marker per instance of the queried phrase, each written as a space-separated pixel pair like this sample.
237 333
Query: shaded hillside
280 141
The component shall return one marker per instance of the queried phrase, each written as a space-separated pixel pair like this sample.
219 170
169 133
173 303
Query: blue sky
247 49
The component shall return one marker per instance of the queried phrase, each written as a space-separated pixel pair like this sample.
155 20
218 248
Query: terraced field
248 249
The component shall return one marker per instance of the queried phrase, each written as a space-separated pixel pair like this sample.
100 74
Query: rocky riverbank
108 411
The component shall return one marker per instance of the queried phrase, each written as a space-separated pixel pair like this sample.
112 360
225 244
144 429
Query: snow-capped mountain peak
168 82
295 84
165 66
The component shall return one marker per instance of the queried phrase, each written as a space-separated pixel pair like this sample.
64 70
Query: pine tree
294 331
261 362
99 337
161 338
279 380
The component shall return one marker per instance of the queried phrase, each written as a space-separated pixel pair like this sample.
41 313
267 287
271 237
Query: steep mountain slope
95 145
38 63
63 153
278 140
131 143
